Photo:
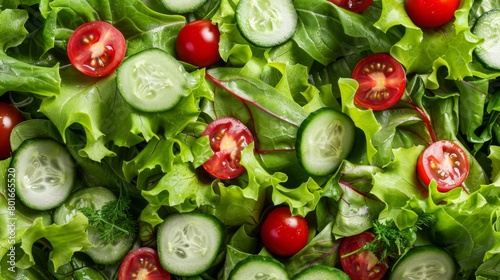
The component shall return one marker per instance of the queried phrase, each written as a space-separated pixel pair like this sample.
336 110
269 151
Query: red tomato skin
431 13
447 154
228 137
377 75
284 234
364 265
357 6
198 43
96 48
142 264
9 118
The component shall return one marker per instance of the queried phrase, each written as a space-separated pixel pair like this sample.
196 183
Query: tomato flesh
382 82
364 265
9 117
356 6
431 13
142 264
284 234
198 43
446 163
228 137
96 48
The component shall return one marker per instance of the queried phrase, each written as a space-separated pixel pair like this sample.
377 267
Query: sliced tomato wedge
142 264
382 82
446 163
363 265
96 48
228 137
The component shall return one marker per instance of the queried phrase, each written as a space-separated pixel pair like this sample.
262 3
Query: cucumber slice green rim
45 173
189 242
152 81
322 272
259 267
427 262
488 28
266 23
324 139
183 6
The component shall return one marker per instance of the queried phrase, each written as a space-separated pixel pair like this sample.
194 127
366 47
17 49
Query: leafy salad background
275 89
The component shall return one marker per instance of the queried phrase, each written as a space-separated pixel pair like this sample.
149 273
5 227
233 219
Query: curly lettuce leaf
17 75
95 106
398 183
467 225
64 239
424 51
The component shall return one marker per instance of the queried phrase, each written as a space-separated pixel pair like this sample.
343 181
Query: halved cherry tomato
364 265
228 137
198 43
9 117
356 6
431 13
284 234
446 163
96 48
382 81
142 264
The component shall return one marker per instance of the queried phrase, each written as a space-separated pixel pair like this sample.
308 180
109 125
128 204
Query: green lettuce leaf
322 249
64 240
327 32
424 51
17 75
95 106
142 27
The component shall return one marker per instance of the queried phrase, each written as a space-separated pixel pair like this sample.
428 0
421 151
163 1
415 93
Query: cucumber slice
95 198
425 262
324 139
322 272
259 267
266 23
152 81
189 242
183 6
44 173
488 28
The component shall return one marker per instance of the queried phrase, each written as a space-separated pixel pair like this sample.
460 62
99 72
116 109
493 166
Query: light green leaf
64 239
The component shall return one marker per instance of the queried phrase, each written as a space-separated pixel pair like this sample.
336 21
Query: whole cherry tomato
9 117
431 13
284 234
198 43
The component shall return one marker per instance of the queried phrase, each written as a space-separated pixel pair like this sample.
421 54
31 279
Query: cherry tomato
356 6
198 43
142 264
284 234
228 137
9 117
364 265
431 13
96 48
382 81
446 163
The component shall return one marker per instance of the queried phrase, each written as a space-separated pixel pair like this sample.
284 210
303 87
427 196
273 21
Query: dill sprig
392 242
114 220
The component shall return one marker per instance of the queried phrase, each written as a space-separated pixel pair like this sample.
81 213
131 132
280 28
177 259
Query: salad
253 153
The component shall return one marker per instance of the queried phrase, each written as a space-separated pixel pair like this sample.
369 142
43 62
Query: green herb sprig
392 242
114 220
